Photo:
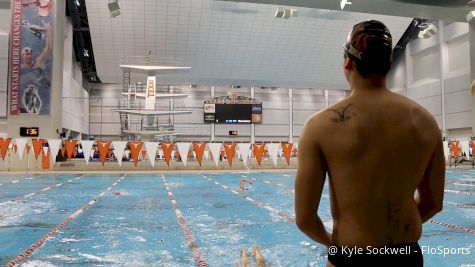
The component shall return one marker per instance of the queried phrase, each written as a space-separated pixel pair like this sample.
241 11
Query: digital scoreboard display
29 131
233 113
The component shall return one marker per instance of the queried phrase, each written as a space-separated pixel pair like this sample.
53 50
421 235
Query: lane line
19 180
38 192
468 193
459 205
287 217
464 184
38 244
200 262
453 227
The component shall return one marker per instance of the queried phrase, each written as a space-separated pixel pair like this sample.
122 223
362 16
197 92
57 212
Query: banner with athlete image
31 56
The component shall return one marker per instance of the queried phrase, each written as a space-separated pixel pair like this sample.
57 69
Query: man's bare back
376 153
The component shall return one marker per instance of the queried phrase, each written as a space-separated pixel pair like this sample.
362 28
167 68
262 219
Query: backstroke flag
31 56
215 148
183 148
119 148
54 145
151 148
244 150
273 149
21 143
87 149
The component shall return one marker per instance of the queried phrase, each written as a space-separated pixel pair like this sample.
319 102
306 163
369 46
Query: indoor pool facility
192 219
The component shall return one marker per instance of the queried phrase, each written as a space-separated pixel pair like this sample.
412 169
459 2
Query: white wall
418 74
75 97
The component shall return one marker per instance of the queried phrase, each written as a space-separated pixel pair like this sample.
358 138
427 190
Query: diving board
153 112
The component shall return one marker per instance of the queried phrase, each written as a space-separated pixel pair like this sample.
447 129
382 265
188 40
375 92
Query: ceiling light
470 16
286 13
77 2
114 8
343 3
428 31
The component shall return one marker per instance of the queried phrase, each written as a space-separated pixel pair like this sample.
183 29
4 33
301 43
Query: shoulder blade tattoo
343 113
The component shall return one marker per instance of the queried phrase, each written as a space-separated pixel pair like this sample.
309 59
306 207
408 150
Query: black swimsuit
408 255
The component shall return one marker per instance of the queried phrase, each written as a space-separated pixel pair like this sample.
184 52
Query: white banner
20 146
183 148
446 149
244 150
87 149
215 148
119 147
206 154
150 93
54 145
273 149
160 153
151 148
465 148
45 151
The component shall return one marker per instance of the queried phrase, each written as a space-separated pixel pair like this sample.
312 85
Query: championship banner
31 57
287 148
230 151
199 151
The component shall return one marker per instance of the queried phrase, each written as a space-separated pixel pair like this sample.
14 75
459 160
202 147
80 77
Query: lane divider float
459 204
453 227
25 254
200 262
39 191
468 193
19 180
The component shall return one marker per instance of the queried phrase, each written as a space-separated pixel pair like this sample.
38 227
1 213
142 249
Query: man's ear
348 63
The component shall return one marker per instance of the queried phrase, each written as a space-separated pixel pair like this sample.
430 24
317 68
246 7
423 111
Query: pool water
151 220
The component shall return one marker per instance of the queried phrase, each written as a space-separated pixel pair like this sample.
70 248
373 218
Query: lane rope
200 262
25 254
468 193
22 179
454 227
41 190
459 204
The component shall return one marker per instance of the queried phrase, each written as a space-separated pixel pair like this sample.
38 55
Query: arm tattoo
343 114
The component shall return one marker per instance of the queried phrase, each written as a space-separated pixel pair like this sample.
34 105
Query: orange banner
15 148
144 154
199 150
45 160
63 151
37 146
70 148
103 147
28 147
4 143
167 151
230 151
455 149
287 150
135 148
258 152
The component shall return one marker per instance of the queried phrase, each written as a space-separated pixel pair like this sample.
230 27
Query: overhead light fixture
428 31
285 13
470 16
343 3
114 8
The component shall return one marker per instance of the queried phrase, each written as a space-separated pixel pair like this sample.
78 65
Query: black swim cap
368 41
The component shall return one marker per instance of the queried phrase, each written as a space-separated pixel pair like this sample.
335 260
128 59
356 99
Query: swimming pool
175 219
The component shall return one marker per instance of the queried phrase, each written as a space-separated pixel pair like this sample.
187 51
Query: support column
471 33
444 54
212 129
327 101
291 117
253 126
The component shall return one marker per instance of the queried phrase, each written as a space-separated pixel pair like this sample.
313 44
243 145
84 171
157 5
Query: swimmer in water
241 184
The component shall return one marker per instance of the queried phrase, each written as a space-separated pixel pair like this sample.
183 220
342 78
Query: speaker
114 9
470 16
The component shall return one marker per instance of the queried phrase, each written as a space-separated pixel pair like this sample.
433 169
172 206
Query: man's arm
309 183
48 45
431 189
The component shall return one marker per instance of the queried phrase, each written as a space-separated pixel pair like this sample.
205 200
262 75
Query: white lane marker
464 184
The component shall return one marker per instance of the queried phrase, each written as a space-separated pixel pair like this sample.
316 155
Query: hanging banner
150 93
4 144
273 149
45 158
214 149
160 153
455 149
184 148
465 148
119 149
135 148
54 145
103 147
151 148
287 148
295 149
15 148
230 151
70 148
63 151
143 154
206 154
37 145
45 150
167 151
31 57
244 150
87 149
21 143
199 149
258 152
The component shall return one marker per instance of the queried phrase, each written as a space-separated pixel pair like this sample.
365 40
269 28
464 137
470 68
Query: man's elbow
303 223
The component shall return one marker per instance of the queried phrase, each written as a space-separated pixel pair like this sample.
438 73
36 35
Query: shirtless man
378 149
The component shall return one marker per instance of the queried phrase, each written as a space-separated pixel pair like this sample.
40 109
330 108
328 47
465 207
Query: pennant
109 154
63 151
465 148
54 145
273 148
183 148
103 147
87 149
119 149
258 152
206 154
45 158
160 153
214 149
135 148
143 154
455 149
244 150
37 144
151 148
15 148
287 148
70 148
167 151
230 151
21 143
28 148
4 144
199 149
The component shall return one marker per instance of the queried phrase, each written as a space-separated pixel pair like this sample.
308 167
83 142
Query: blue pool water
134 223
